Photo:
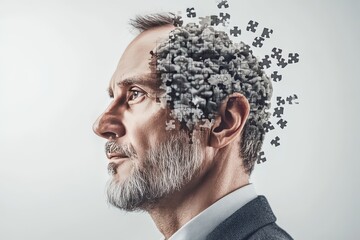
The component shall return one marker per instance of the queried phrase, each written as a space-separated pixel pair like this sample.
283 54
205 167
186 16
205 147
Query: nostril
109 135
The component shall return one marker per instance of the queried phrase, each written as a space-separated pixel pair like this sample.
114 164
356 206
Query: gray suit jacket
254 221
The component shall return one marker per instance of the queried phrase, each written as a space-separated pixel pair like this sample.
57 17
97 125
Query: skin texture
136 118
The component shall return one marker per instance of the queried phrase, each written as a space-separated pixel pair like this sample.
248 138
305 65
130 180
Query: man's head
165 73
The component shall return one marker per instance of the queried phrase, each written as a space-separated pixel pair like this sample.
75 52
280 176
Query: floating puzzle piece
275 141
266 33
278 112
282 123
235 31
170 125
276 77
258 42
247 49
223 3
252 26
268 126
215 20
276 53
261 157
265 62
178 21
282 63
280 101
224 18
205 21
290 99
191 12
293 58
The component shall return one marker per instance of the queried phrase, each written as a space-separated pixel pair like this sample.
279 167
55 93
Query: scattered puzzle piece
214 20
282 123
235 31
282 63
205 21
276 53
278 112
223 3
191 12
224 18
276 77
170 125
268 126
266 33
178 21
275 141
252 26
261 157
265 62
280 101
258 42
293 58
290 99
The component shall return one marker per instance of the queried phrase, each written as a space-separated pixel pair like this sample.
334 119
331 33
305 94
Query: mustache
124 149
112 147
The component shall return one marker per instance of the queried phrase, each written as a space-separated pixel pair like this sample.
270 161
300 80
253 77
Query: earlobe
233 113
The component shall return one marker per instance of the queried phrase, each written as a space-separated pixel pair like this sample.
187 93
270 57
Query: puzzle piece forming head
199 67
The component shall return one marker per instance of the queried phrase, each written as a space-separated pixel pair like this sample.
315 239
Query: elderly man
184 130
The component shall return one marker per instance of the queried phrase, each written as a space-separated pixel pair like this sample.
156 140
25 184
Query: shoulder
254 221
270 232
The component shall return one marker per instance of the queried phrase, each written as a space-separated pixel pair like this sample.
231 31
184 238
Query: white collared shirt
206 221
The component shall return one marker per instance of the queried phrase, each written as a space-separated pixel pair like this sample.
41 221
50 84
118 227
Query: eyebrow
147 80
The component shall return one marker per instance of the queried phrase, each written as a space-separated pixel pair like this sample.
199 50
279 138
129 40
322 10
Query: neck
211 184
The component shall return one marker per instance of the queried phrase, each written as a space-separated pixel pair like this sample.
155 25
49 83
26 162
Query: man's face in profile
146 161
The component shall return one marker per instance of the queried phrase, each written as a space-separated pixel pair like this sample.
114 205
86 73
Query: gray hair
225 58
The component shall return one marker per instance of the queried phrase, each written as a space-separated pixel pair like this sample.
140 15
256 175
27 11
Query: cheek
146 128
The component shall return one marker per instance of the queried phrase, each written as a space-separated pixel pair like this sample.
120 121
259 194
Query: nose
109 124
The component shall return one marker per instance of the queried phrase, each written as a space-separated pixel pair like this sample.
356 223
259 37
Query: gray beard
166 169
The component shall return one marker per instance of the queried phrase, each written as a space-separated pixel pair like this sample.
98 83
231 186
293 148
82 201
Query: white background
56 58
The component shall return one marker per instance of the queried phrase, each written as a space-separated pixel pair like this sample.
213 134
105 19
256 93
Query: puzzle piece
275 141
178 21
278 111
247 49
261 157
223 3
282 63
266 33
268 126
276 77
235 31
205 21
290 99
170 125
252 26
280 101
258 42
282 123
276 53
293 58
224 18
265 62
215 20
191 12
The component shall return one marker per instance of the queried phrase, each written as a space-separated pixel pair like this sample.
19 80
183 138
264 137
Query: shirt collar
206 221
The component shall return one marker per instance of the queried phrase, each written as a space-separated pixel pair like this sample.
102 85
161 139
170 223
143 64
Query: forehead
135 60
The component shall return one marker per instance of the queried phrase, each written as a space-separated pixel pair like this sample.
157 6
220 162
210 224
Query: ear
229 123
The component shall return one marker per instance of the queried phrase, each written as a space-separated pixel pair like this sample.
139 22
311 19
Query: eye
135 95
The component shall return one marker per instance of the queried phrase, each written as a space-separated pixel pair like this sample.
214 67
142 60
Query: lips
112 156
